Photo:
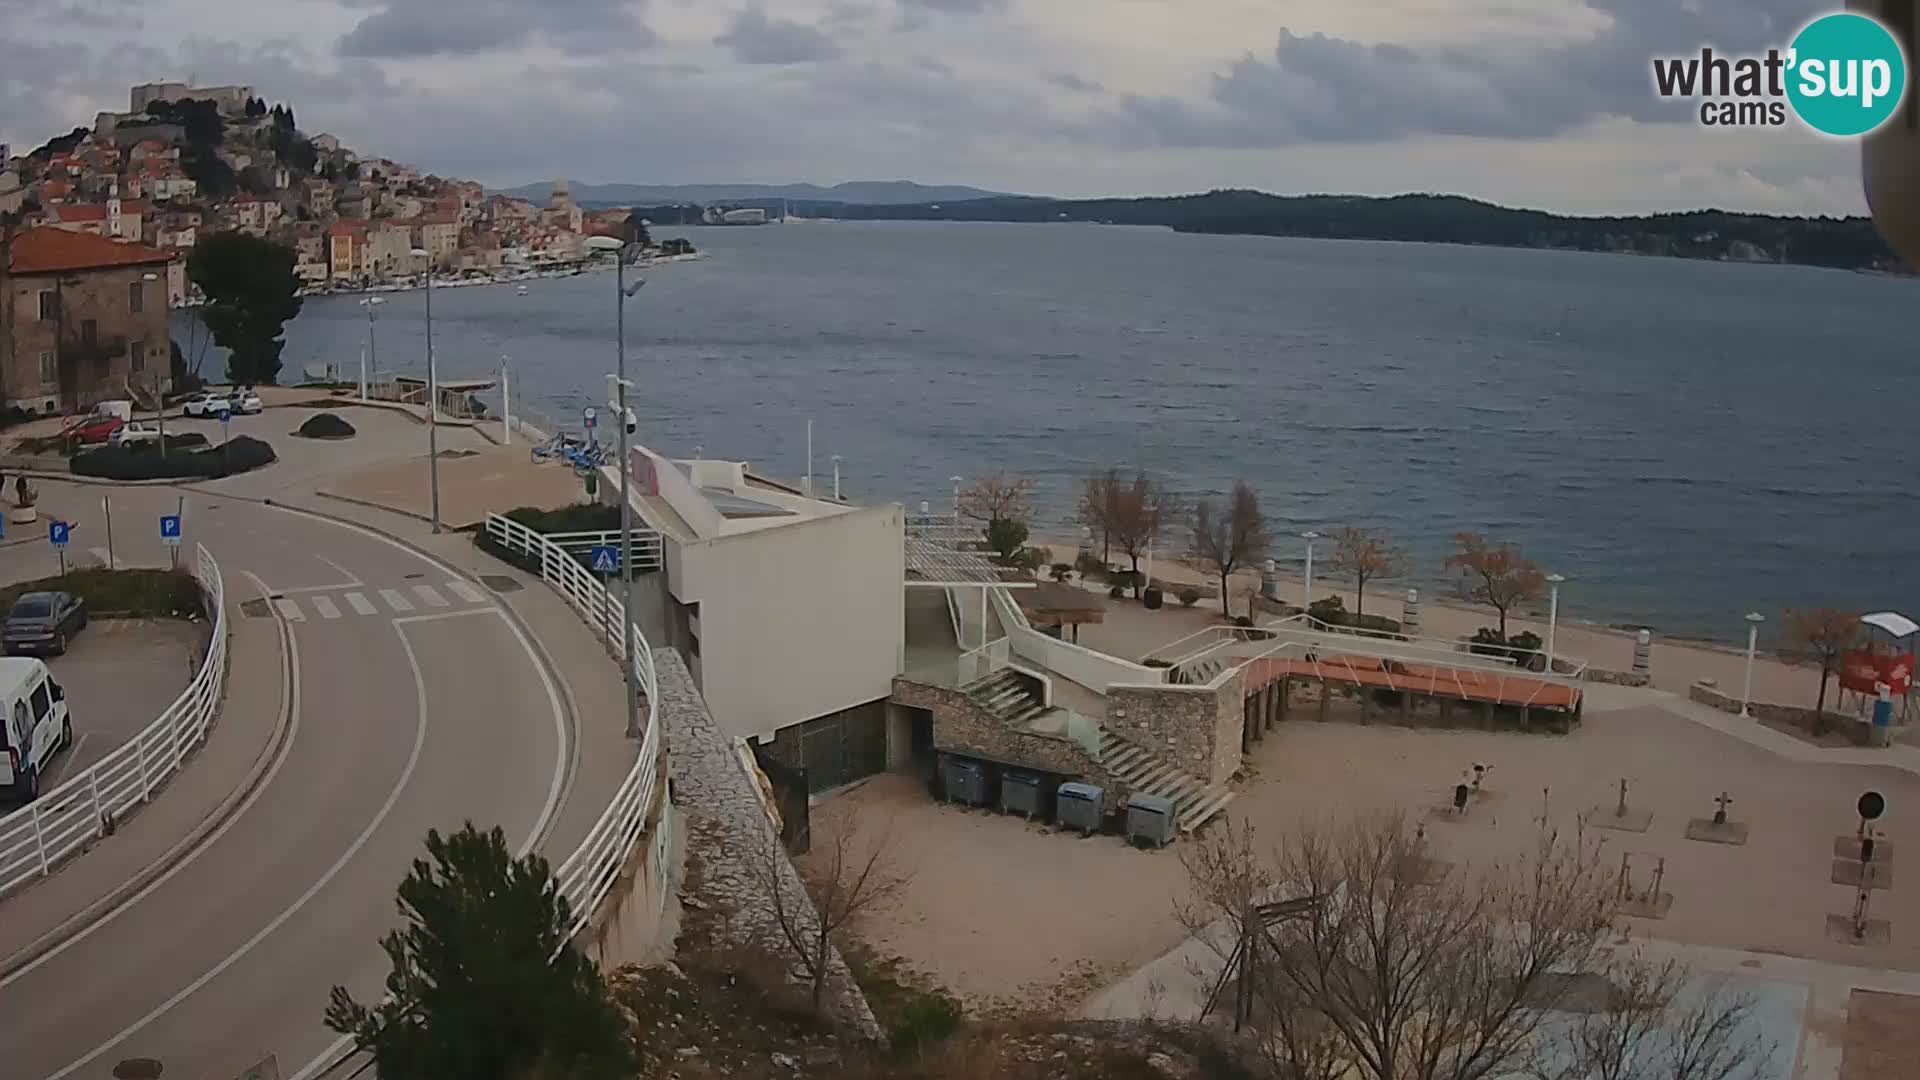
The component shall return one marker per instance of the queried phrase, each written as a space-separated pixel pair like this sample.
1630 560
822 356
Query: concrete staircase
1194 800
1199 672
1006 695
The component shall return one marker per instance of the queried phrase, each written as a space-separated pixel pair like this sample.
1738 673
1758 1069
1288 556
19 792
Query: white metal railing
86 805
1215 639
977 664
647 545
1396 672
1094 670
588 875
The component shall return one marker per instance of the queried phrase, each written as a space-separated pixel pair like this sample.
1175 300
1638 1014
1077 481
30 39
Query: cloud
1067 80
419 28
757 38
954 7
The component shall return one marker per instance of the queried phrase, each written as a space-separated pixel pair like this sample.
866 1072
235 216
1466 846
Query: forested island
1842 243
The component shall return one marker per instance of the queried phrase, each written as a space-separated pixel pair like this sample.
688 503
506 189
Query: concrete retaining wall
1706 693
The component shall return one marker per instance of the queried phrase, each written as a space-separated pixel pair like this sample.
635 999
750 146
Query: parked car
34 726
207 403
43 621
248 402
92 429
137 432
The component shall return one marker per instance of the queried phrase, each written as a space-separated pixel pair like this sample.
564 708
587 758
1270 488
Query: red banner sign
1863 670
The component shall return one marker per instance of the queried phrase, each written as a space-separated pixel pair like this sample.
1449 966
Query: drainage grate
415 577
500 583
254 609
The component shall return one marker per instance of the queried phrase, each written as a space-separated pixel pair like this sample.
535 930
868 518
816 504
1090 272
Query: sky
1537 103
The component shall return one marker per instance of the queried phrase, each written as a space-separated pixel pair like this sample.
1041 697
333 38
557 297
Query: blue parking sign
170 528
605 559
58 532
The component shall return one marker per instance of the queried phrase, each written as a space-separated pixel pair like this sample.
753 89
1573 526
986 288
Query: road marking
66 763
442 615
360 604
290 610
427 594
395 600
366 834
324 605
466 592
344 572
290 702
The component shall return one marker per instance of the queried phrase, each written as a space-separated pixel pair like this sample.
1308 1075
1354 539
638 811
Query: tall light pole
836 478
1307 599
1554 581
1754 619
622 293
370 365
956 497
433 396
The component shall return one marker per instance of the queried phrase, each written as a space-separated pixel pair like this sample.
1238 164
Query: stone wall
1194 728
964 727
1618 678
728 820
1706 693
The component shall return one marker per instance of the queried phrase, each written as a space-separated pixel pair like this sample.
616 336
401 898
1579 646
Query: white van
34 725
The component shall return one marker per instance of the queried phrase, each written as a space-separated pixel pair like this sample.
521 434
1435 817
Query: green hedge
146 594
240 454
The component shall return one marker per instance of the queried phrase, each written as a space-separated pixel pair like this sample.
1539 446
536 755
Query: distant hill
862 192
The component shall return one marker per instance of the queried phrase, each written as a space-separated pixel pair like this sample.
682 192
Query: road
415 704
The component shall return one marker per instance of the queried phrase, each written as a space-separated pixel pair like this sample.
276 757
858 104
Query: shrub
14 414
1117 591
1243 621
145 594
325 426
1061 571
1088 565
580 517
144 461
1189 596
1331 610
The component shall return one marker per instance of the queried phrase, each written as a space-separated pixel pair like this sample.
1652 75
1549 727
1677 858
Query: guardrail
977 664
647 549
1211 640
87 805
588 875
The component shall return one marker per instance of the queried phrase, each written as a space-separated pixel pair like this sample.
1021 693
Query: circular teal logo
1847 74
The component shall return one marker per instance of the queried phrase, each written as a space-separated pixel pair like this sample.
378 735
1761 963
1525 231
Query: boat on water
522 290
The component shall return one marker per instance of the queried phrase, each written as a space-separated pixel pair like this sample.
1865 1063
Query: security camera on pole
625 252
433 396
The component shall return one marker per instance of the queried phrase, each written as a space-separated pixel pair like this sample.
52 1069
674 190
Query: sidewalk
245 736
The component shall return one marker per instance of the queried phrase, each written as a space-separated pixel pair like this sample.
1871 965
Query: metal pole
106 507
1753 639
626 497
809 484
1307 598
506 404
836 478
373 354
1553 615
433 409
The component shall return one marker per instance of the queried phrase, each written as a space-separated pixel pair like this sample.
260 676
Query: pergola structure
940 555
1054 604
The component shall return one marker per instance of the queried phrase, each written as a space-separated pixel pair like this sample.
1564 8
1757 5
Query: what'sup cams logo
1844 75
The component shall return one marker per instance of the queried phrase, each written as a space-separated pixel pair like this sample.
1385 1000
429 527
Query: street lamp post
1554 581
956 497
433 397
836 478
1306 602
1754 619
621 294
369 363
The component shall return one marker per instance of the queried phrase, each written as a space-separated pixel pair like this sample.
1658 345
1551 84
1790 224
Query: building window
49 368
137 356
136 298
49 306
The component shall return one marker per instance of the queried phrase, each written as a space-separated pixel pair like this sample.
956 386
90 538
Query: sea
1684 441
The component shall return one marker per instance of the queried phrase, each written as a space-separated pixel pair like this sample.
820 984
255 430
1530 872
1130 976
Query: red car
92 429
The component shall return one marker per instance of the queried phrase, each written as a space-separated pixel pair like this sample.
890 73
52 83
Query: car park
43 622
207 403
34 725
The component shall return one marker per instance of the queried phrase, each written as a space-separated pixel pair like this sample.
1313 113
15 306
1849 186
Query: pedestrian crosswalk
390 601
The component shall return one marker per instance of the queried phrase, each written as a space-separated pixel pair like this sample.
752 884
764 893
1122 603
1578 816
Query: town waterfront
1685 441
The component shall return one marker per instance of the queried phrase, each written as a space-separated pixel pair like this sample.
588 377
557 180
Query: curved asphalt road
402 720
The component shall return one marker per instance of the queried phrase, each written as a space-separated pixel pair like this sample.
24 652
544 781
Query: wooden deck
1464 684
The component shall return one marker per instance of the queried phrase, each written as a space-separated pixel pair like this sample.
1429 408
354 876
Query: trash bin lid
1081 791
1154 803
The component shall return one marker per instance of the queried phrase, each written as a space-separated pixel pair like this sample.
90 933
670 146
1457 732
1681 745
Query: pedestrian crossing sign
606 559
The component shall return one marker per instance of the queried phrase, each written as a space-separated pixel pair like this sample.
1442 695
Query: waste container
967 782
1020 793
1150 818
1080 806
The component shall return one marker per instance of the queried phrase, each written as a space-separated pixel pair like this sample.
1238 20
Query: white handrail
588 875
83 808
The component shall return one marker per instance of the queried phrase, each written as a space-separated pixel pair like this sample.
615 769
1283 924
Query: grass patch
915 1013
139 594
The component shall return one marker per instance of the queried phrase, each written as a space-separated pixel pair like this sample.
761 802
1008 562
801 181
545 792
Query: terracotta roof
81 212
48 250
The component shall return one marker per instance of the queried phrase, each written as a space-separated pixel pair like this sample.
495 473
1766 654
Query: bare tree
1096 508
1496 575
1822 634
1364 555
843 878
1225 539
1140 513
999 497
1657 1021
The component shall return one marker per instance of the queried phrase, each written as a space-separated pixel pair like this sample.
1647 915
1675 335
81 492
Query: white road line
290 702
234 957
442 615
324 605
466 592
344 572
430 597
290 610
360 604
395 600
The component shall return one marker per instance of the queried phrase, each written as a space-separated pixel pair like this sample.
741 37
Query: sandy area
1675 665
1000 908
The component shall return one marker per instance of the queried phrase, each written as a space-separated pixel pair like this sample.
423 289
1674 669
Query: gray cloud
409 28
1318 89
757 38
1067 80
954 7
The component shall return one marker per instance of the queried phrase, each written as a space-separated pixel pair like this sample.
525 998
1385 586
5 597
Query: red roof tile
81 212
48 250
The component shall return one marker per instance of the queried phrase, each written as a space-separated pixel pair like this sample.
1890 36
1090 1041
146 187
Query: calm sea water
1685 441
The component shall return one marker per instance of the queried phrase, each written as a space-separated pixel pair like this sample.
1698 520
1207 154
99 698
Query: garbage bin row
1148 819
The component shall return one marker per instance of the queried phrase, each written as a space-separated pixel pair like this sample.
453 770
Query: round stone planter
23 515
